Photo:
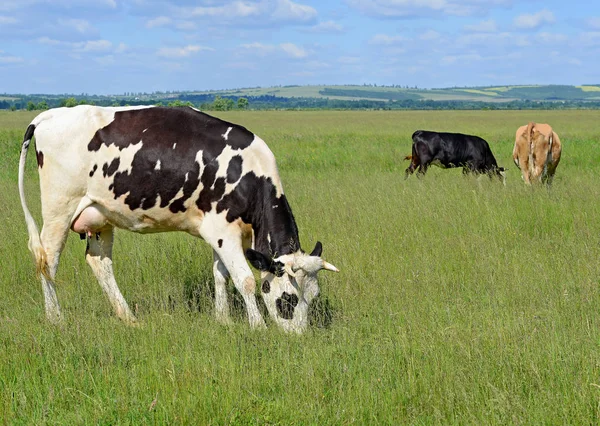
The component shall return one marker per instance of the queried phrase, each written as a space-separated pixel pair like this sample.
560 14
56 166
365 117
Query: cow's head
289 284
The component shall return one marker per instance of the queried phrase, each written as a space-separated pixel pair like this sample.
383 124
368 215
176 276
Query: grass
460 301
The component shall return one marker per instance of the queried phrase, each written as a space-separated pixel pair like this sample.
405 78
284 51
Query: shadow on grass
198 295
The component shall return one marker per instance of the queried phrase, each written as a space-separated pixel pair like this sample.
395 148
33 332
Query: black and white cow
448 150
156 169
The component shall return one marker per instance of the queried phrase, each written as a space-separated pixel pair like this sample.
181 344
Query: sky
117 46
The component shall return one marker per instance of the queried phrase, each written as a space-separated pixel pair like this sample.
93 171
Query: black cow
448 150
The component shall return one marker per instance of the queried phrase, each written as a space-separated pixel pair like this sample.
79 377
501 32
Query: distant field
483 94
459 301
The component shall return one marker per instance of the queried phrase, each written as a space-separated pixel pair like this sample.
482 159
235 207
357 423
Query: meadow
459 301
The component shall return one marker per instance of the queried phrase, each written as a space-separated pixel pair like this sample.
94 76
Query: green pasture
459 301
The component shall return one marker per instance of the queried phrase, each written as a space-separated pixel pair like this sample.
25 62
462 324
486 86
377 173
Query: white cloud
9 59
535 20
293 51
8 20
181 52
593 23
93 46
386 40
80 25
326 27
551 38
288 49
159 21
488 26
48 41
399 9
289 11
430 35
255 13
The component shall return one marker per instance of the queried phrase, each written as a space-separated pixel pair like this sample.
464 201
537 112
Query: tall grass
460 301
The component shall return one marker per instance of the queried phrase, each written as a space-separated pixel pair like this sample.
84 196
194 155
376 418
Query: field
459 301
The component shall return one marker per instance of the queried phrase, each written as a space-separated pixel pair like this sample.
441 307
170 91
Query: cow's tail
530 127
35 243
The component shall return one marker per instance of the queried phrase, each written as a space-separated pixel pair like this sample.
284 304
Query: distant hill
336 97
389 93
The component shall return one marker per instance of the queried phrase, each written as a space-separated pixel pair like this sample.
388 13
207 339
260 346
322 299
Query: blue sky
115 46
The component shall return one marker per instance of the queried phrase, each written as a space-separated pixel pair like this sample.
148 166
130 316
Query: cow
157 169
537 152
448 150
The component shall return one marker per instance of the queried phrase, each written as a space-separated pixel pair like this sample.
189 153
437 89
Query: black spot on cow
220 243
234 170
266 287
286 305
40 158
93 170
110 169
174 136
255 201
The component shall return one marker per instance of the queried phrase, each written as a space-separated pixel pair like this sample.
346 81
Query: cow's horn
328 266
288 269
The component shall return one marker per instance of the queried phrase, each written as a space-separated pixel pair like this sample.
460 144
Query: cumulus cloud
93 46
534 21
8 20
293 51
159 21
254 13
9 59
288 49
181 52
488 26
325 27
80 25
398 9
593 23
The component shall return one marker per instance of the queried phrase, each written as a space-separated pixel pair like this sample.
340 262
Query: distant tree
30 106
219 104
13 107
43 105
69 102
242 103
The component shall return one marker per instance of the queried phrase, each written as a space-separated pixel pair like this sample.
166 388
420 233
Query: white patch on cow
226 134
275 206
174 145
187 176
157 166
144 131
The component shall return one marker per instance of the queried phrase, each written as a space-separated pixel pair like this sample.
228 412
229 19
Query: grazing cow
448 150
537 152
156 169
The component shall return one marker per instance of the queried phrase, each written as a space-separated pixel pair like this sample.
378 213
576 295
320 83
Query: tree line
210 102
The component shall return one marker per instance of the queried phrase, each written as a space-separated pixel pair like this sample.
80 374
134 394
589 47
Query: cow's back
149 168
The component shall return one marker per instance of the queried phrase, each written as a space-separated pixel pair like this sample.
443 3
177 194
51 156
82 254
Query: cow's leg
221 274
241 274
226 240
99 256
53 237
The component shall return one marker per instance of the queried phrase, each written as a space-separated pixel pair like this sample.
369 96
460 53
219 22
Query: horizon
215 91
108 47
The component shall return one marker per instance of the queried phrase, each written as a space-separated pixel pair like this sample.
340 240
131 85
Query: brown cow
537 152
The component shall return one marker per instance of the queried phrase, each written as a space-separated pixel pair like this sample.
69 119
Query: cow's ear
258 260
317 250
